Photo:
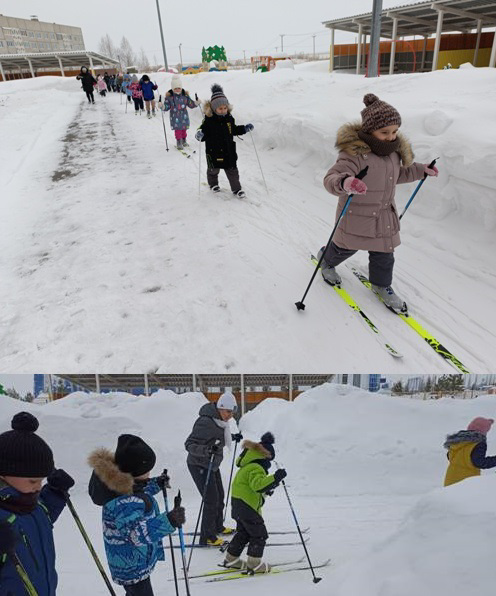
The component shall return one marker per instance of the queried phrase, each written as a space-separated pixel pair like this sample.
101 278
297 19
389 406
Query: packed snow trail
112 260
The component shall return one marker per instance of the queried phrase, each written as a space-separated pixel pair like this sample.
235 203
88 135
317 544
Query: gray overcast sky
236 24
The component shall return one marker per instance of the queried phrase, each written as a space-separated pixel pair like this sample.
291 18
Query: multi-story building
372 382
29 36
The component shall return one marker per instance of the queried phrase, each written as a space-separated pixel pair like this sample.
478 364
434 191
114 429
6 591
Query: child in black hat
218 131
28 510
133 527
249 488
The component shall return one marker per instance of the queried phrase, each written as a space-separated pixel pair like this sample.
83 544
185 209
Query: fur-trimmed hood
464 436
208 111
106 470
252 452
347 140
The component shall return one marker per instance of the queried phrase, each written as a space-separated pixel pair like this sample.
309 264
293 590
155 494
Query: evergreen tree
398 387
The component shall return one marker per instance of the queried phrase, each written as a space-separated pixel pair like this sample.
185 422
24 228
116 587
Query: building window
59 36
24 33
10 44
52 35
1 44
30 33
38 34
33 44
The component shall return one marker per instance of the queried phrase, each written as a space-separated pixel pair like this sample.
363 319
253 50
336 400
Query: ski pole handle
431 165
362 173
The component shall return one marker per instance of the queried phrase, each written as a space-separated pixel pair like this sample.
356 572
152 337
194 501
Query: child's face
388 133
221 110
177 90
225 414
24 485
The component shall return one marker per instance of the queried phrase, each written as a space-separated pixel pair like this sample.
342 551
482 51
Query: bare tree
126 53
143 62
106 47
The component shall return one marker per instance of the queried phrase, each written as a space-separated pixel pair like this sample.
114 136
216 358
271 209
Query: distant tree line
445 384
125 53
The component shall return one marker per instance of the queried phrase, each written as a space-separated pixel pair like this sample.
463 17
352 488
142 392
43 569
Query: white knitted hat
176 81
227 401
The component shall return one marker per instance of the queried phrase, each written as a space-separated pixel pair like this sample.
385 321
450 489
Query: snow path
125 269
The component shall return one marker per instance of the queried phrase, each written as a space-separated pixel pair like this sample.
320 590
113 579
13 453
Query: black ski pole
199 152
177 503
431 165
173 557
301 304
89 545
209 471
315 578
163 123
230 479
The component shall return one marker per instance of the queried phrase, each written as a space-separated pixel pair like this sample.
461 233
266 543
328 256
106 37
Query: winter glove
60 480
430 171
354 186
280 474
249 127
237 437
177 516
199 135
215 449
163 480
7 538
160 105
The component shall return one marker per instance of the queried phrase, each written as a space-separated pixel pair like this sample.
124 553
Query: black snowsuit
87 80
219 134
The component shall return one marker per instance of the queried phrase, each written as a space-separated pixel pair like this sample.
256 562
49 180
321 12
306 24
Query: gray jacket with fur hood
371 222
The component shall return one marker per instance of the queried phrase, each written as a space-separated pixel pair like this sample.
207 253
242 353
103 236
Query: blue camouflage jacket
133 527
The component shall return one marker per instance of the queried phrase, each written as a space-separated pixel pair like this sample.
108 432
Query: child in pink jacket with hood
371 222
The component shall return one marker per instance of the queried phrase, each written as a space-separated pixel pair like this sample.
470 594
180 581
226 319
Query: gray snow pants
231 173
380 263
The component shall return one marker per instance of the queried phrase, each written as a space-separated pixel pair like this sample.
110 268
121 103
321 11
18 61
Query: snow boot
215 188
390 298
233 562
330 275
240 194
225 531
179 144
216 542
185 143
256 565
154 113
148 115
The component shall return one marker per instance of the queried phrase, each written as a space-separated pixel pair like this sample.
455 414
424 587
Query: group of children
120 483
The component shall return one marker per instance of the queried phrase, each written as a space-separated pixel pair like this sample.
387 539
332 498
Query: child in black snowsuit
218 131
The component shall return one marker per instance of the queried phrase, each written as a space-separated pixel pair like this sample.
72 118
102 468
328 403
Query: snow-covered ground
365 472
111 259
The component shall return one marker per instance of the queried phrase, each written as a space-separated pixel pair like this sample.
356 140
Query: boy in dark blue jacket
28 511
148 88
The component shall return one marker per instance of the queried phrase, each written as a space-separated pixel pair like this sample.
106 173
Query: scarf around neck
16 502
227 431
381 148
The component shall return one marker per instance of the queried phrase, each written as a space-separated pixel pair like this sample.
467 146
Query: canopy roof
70 60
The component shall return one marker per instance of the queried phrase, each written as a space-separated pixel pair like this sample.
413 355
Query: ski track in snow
129 269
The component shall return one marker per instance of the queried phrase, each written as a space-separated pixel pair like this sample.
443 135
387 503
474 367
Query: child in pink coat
102 85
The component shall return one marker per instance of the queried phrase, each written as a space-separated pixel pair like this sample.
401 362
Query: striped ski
225 571
271 533
435 344
386 345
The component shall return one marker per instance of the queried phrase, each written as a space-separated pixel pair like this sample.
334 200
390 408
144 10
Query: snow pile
444 546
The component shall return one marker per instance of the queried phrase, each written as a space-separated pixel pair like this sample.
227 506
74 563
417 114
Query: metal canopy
421 18
52 60
202 382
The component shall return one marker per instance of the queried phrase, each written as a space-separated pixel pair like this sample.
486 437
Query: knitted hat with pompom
378 114
24 454
218 98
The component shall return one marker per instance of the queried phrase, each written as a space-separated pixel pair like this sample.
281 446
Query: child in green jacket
251 483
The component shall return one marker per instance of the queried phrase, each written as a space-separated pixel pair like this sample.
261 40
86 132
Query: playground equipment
266 63
216 55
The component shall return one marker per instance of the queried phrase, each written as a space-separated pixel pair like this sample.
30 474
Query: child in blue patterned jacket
133 527
177 100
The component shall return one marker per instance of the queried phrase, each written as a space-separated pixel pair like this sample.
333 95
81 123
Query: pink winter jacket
371 222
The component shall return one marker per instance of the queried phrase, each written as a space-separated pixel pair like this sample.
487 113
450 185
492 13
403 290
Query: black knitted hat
267 442
24 454
133 456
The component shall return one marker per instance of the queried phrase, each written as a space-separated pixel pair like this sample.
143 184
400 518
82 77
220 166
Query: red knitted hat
378 114
481 425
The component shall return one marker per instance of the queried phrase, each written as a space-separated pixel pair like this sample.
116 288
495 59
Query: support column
424 51
393 46
97 381
359 49
147 392
31 67
194 382
331 53
375 39
477 43
92 68
492 59
437 44
50 388
242 395
61 66
291 387
2 72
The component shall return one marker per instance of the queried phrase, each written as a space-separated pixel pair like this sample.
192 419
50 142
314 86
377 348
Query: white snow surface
365 473
110 259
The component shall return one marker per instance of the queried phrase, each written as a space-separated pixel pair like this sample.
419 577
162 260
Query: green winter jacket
251 480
